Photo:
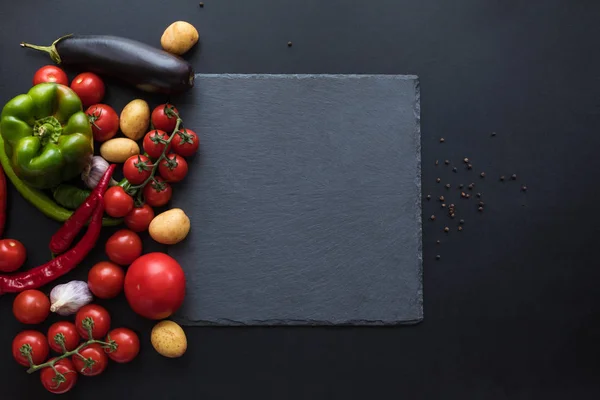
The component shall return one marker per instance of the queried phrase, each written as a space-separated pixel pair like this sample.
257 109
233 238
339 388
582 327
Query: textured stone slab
305 201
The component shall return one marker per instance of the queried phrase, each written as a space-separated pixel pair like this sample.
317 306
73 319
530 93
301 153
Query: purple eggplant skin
141 65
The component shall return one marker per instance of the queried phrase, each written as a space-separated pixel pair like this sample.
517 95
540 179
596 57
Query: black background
512 309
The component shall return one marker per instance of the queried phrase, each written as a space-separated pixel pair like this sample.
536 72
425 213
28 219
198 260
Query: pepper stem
48 49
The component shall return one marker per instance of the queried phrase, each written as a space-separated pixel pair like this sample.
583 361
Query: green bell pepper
47 136
38 198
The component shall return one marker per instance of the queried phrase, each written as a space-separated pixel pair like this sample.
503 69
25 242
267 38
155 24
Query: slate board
305 201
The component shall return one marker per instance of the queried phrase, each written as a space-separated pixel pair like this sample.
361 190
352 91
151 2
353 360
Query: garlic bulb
68 298
94 170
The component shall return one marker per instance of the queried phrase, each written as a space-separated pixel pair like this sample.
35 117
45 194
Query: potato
118 150
135 119
168 339
170 227
179 37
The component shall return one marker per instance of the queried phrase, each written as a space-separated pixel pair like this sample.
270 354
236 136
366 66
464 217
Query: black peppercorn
513 177
480 208
454 169
428 197
437 257
438 180
442 140
482 174
289 44
447 186
432 217
502 178
462 221
446 229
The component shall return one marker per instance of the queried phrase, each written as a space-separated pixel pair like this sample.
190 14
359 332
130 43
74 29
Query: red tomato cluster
161 164
121 345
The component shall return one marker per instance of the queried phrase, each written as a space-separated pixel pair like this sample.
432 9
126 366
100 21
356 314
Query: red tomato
173 168
12 255
117 202
138 220
185 143
59 384
155 286
137 169
70 337
164 117
104 120
100 318
31 307
89 87
157 192
153 143
128 345
92 361
105 280
50 73
123 247
36 342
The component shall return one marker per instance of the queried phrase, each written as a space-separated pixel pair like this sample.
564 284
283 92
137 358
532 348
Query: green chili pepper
48 138
70 196
37 197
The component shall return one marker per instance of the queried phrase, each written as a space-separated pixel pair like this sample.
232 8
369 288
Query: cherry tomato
31 307
12 255
70 337
137 169
92 361
153 143
105 280
185 143
104 120
50 73
173 168
36 342
155 285
89 87
157 192
59 384
100 317
138 220
128 345
164 117
123 247
117 202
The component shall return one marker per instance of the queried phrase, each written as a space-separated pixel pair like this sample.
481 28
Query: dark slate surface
305 202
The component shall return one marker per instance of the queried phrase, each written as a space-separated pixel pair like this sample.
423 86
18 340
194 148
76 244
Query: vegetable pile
60 147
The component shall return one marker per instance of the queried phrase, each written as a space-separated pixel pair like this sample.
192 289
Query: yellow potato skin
170 227
119 149
168 339
179 37
135 119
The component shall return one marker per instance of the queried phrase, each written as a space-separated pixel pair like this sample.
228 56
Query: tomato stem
67 354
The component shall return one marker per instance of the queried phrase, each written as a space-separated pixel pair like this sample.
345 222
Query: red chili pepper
40 276
65 235
3 195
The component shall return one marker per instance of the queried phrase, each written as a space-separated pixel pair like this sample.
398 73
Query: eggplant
146 67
